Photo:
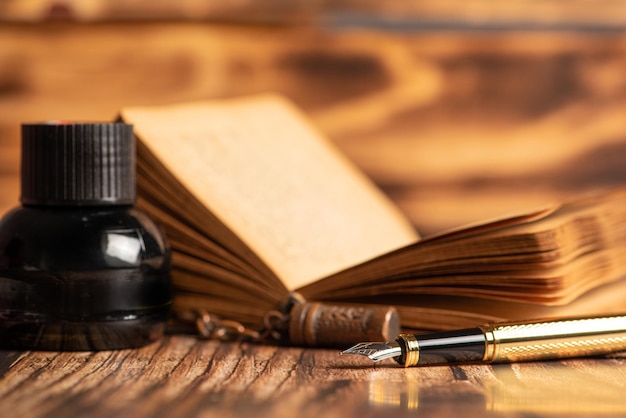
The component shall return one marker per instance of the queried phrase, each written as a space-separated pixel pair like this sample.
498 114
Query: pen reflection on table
572 387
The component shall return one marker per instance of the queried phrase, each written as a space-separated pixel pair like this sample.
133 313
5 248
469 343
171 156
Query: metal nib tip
376 351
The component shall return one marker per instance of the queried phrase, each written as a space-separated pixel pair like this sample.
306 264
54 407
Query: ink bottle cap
81 268
78 164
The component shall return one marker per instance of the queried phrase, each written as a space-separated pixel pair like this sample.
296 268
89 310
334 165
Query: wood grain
182 376
501 122
400 14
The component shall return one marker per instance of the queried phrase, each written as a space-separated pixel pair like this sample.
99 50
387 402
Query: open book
257 204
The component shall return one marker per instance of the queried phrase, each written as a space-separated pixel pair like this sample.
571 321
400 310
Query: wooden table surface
181 376
456 127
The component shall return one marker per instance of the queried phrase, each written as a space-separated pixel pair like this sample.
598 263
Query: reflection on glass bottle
122 246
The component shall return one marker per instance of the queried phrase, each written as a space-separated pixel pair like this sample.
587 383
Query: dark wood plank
7 358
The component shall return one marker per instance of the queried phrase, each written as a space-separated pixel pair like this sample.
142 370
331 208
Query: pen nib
376 351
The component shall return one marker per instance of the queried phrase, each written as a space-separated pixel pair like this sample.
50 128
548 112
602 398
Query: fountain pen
539 339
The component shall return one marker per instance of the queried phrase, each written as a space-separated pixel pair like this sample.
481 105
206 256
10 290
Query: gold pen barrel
544 339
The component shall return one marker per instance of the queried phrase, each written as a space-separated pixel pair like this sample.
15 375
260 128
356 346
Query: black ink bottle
80 267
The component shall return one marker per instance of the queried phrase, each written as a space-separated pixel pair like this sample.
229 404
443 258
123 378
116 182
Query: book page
551 256
259 167
436 312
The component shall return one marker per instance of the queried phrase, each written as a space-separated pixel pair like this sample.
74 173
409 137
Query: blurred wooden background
460 111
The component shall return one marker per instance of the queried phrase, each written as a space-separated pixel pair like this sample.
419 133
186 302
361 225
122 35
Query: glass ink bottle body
80 267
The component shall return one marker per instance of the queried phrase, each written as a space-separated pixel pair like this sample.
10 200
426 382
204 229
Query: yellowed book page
436 312
259 166
557 236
